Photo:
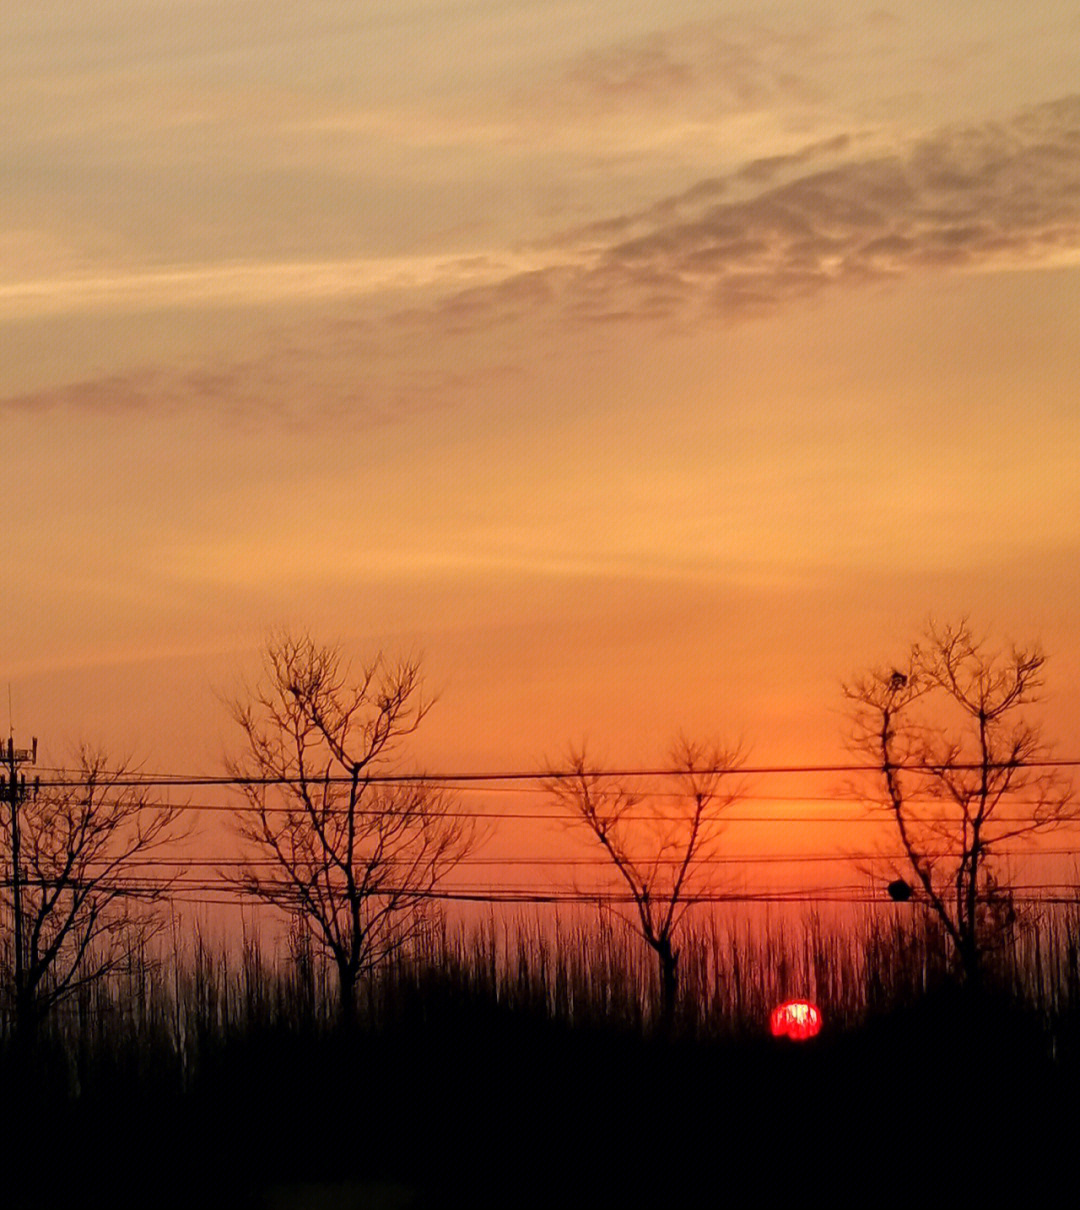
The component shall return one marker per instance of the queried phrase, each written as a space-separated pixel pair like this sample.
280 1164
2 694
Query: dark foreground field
456 1092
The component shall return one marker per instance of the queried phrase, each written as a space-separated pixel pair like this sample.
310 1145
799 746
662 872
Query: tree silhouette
356 855
82 913
663 847
959 770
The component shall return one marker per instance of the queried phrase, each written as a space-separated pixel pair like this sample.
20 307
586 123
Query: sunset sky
646 366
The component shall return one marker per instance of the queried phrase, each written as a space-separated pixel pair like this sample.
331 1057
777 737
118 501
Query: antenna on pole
10 715
15 786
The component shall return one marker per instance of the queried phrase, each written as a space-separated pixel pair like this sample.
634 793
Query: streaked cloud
247 282
835 213
997 195
724 65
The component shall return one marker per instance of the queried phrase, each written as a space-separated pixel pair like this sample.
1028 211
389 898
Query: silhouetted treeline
517 1063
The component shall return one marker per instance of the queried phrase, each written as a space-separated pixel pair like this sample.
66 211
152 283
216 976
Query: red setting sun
795 1019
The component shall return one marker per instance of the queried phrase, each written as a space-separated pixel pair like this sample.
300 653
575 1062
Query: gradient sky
647 366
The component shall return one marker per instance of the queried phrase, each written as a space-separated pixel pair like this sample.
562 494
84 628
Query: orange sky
646 367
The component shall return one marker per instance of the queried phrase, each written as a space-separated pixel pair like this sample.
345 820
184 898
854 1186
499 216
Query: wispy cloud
728 66
249 282
1001 194
351 372
836 213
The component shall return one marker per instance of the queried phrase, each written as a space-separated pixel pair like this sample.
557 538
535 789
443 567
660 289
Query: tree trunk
971 960
669 984
26 1018
346 997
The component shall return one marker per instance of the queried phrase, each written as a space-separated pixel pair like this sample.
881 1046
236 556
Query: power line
556 775
874 812
1068 900
1033 895
286 888
880 815
463 787
605 862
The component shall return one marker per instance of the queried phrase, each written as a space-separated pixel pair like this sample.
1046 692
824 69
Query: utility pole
16 787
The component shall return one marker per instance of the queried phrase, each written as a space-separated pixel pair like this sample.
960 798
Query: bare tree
77 908
359 856
663 846
961 772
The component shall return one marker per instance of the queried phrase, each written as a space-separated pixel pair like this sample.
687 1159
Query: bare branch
359 860
661 847
955 755
79 919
